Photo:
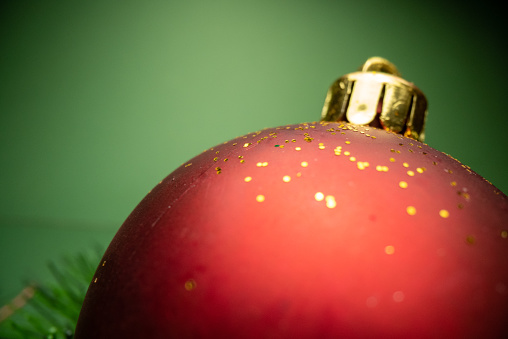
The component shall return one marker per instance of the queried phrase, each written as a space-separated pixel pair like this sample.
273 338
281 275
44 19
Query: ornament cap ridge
377 96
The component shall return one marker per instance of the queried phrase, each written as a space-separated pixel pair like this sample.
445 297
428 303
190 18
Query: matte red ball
318 230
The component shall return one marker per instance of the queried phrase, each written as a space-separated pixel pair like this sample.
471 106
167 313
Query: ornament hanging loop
379 97
377 64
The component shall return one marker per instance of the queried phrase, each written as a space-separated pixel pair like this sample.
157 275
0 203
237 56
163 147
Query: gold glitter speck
464 194
190 284
215 159
403 184
453 183
260 198
470 240
362 165
189 164
352 158
392 160
247 179
247 144
444 214
504 234
298 148
304 164
420 169
411 210
389 250
286 178
410 173
348 142
330 201
405 164
319 196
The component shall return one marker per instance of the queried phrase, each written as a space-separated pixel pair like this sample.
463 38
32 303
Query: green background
100 100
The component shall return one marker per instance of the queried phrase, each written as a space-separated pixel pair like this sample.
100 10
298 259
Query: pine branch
50 310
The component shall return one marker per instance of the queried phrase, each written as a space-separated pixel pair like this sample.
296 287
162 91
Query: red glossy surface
202 257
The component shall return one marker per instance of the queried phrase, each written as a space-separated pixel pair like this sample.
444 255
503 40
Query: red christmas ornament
316 230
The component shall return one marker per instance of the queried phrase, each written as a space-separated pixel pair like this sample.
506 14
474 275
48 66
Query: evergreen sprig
51 310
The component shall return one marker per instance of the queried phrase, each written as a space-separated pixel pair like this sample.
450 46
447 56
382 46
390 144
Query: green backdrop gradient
101 100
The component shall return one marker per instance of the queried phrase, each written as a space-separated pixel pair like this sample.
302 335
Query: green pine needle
51 310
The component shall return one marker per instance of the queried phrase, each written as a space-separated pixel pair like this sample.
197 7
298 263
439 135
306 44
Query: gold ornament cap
376 95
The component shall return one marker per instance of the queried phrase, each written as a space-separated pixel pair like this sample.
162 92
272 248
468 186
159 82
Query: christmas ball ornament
347 227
